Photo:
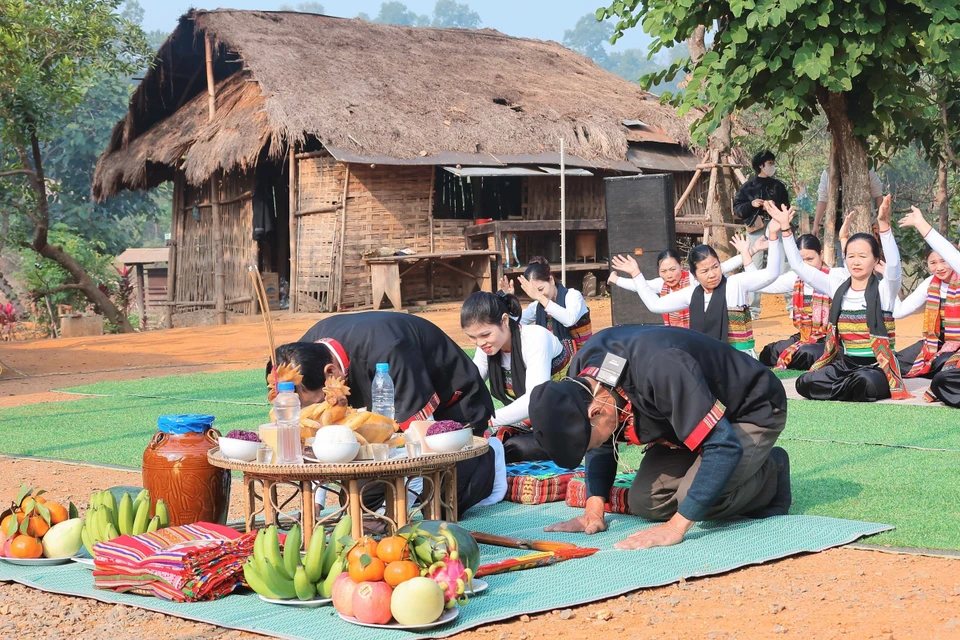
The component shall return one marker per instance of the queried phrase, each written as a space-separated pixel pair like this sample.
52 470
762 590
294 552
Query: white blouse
829 283
575 307
656 284
538 348
739 287
916 300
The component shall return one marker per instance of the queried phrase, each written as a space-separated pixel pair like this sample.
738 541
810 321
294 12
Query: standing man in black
748 207
708 415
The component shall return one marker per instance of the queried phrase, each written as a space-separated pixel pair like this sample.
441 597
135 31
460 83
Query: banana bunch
106 520
286 575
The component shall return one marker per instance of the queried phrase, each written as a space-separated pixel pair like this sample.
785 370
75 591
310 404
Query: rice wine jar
175 469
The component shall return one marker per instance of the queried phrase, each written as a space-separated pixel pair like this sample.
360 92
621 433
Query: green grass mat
909 488
708 550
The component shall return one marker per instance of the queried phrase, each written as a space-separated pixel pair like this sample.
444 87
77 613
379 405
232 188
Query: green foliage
450 13
398 13
49 275
780 54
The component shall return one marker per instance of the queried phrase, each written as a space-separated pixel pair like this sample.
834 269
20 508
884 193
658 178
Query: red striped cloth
201 561
677 318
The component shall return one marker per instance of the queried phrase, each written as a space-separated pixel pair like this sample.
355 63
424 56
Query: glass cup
270 436
380 452
414 449
265 454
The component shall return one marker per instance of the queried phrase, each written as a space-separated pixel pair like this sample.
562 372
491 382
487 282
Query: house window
465 198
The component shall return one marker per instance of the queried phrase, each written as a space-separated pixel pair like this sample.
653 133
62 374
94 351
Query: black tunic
757 188
431 374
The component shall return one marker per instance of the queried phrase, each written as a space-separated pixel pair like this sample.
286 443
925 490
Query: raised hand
845 227
780 215
741 243
916 220
884 214
613 277
627 264
532 292
760 244
506 285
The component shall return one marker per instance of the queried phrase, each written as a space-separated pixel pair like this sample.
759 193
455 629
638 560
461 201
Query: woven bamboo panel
320 185
239 247
696 204
448 235
585 198
194 248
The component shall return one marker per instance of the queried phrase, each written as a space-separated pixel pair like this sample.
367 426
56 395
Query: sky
543 19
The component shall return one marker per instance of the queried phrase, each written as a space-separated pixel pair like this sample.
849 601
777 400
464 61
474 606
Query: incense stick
265 309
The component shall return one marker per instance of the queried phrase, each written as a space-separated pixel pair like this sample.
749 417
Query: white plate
479 586
449 615
88 562
309 604
35 562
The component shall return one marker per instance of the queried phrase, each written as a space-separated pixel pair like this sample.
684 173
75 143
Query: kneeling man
707 414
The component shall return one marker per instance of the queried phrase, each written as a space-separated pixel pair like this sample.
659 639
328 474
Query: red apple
5 551
342 594
371 602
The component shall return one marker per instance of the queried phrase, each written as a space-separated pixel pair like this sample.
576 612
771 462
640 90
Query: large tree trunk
720 206
41 223
854 162
943 197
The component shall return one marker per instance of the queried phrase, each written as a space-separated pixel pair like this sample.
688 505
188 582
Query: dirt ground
839 593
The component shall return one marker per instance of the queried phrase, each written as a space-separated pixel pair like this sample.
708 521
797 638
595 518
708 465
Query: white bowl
449 442
237 449
335 452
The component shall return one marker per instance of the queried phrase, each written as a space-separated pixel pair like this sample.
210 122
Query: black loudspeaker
639 223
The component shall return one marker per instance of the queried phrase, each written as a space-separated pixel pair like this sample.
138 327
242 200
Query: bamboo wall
696 204
195 243
320 185
585 198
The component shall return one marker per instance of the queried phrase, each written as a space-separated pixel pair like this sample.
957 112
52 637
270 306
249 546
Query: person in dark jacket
748 207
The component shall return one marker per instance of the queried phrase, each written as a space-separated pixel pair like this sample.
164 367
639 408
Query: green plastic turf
709 549
909 488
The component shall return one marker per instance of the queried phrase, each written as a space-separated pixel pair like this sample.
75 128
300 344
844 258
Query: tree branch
65 287
947 147
14 172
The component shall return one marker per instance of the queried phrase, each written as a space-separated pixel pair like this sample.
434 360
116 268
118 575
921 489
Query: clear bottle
286 411
382 393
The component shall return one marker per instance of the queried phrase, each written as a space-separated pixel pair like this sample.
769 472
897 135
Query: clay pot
175 468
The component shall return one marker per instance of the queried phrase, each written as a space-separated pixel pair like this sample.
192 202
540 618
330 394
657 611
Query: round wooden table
351 480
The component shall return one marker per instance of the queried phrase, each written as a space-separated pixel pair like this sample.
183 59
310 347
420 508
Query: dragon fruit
450 573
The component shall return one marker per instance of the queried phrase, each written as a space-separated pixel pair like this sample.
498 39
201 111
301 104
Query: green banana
313 563
112 532
94 500
154 524
140 496
271 550
102 522
334 546
109 501
256 581
291 550
161 511
87 542
326 587
277 582
125 515
305 589
111 516
140 519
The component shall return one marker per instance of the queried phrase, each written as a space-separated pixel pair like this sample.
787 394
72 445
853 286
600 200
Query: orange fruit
25 547
58 512
400 571
393 549
40 499
37 526
365 545
373 572
28 504
6 521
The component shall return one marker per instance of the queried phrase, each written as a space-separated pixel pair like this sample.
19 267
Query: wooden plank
309 212
219 277
422 256
513 226
571 266
338 287
293 227
141 297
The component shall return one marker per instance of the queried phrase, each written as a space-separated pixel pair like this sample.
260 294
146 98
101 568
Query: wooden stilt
141 297
219 276
712 197
293 222
343 235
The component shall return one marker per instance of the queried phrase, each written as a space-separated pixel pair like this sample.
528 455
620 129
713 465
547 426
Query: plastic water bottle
286 410
383 395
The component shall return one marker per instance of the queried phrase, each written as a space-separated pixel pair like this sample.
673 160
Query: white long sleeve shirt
916 300
785 282
739 287
656 284
574 307
538 349
829 283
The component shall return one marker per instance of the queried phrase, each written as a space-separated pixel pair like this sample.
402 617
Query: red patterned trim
338 352
424 413
589 371
705 426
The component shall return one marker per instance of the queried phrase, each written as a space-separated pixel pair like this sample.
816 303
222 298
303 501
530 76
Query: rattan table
438 500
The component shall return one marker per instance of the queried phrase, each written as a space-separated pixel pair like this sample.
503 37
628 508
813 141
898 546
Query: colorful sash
740 328
677 318
872 328
940 315
575 335
811 317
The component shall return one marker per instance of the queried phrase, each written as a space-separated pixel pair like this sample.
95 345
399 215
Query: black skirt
845 379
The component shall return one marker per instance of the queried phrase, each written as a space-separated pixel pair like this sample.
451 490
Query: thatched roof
371 92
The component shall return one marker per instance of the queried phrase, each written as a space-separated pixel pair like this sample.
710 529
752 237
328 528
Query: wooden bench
473 266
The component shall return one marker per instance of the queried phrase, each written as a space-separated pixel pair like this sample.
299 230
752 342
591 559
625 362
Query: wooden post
563 218
293 228
172 275
713 210
830 215
219 277
343 235
141 295
211 95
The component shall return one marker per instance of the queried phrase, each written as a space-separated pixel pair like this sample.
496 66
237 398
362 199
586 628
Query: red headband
338 352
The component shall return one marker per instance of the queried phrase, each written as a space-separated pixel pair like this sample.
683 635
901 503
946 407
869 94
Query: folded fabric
577 493
201 561
538 482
